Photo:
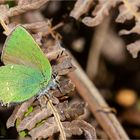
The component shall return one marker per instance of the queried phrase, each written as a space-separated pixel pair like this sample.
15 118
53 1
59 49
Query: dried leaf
78 127
80 8
66 87
33 118
19 112
45 130
22 8
70 112
64 66
134 48
40 26
3 10
135 29
128 10
100 12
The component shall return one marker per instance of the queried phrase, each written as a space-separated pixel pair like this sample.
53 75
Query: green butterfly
27 72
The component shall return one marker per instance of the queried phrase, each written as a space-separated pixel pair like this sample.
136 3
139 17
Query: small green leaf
23 134
17 122
30 109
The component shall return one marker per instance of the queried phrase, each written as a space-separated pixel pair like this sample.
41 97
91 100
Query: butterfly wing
21 48
19 83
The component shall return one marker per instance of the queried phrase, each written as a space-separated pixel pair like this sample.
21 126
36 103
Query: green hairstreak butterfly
27 72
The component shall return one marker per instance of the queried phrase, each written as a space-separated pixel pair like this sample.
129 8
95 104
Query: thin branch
57 119
96 47
91 95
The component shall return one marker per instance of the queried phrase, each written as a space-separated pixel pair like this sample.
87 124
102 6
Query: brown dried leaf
33 118
66 87
3 10
70 112
49 128
135 29
134 48
100 12
128 10
19 112
64 66
78 127
40 26
80 8
22 8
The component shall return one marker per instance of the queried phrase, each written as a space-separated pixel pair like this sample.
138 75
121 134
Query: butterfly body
27 72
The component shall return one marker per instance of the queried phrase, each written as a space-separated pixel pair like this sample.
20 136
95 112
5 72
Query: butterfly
27 72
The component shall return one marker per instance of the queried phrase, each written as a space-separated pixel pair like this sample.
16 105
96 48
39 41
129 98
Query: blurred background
103 55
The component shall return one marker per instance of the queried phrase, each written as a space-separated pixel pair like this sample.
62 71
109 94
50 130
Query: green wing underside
20 48
19 83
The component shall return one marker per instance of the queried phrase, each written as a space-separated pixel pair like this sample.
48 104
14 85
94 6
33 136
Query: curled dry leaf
100 12
45 130
80 8
134 48
70 112
3 10
127 10
135 29
64 67
33 118
78 127
19 112
66 87
28 6
40 26
39 122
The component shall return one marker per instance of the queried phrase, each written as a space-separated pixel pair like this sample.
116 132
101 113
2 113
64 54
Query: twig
96 47
5 27
57 119
91 95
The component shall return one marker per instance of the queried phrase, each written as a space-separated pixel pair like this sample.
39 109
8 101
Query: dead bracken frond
46 116
128 10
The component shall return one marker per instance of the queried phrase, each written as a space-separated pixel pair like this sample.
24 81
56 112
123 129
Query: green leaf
17 122
30 109
23 134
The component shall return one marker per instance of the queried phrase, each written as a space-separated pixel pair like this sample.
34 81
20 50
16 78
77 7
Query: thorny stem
5 27
57 119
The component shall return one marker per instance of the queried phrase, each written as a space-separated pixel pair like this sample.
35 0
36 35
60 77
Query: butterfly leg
55 78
